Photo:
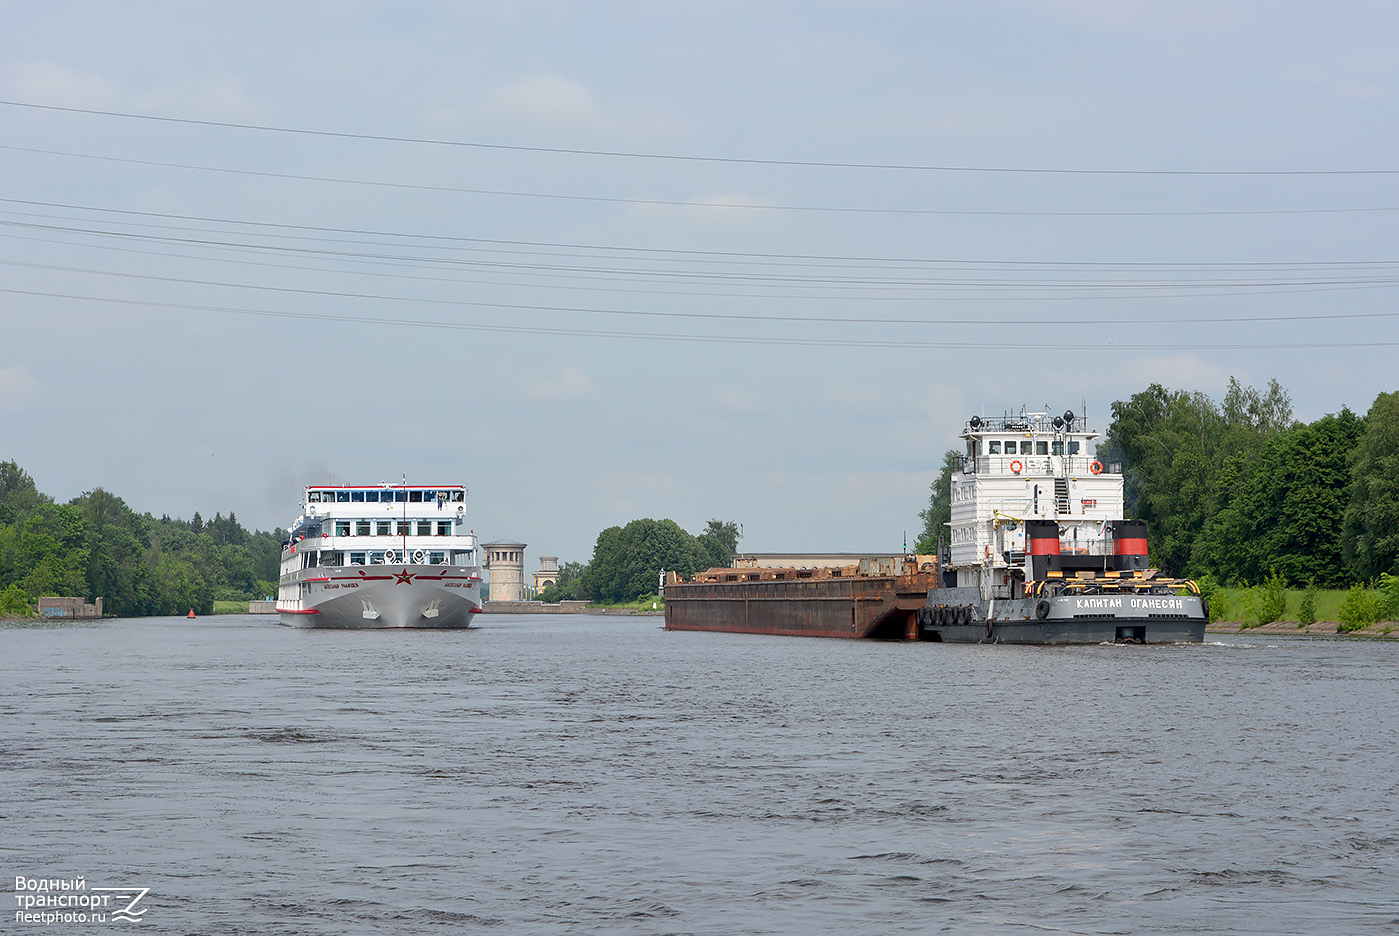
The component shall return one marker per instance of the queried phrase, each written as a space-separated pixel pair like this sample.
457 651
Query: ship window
444 528
415 497
376 558
1058 447
342 497
436 558
429 497
357 497
383 528
424 527
458 497
361 527
1010 447
461 557
1041 448
404 528
342 528
314 497
332 558
356 558
994 448
398 496
1073 448
371 496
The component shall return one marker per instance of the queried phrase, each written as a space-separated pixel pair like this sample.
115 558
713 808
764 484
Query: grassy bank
650 603
1231 607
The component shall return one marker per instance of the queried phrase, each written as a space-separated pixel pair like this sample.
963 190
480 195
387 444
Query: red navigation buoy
191 614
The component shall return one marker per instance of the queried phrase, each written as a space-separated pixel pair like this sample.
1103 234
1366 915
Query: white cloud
545 99
569 383
18 388
225 97
51 83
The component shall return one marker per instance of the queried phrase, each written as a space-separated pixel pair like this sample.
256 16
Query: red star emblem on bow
403 578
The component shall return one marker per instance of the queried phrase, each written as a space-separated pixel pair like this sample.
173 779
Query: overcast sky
468 253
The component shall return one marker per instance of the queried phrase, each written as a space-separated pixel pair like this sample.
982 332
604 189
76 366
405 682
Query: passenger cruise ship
385 555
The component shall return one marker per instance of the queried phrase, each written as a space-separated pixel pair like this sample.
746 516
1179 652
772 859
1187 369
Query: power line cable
1003 343
733 317
667 203
724 255
678 157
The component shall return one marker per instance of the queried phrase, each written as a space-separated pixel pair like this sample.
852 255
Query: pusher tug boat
1037 552
376 556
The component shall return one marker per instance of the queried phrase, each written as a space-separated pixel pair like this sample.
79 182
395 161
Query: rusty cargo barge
1036 552
878 598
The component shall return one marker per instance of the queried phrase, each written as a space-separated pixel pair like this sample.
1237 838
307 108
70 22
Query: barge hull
872 606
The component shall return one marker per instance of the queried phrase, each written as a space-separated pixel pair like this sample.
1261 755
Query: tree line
96 546
627 561
1242 492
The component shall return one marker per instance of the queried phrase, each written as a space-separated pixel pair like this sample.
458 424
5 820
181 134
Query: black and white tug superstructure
1038 551
381 555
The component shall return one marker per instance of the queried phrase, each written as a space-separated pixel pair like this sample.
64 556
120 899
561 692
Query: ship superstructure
384 555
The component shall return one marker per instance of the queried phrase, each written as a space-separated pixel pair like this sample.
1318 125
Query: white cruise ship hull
384 596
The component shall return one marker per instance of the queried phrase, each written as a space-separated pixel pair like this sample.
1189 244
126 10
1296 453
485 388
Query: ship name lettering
1160 604
1097 603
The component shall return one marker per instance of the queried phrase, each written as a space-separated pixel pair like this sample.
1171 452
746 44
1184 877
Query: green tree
1284 515
719 542
1183 457
938 513
627 561
1370 528
18 495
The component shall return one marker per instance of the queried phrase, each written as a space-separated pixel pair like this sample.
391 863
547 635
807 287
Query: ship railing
1042 465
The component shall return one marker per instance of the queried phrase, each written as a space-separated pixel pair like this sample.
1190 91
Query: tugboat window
1010 448
1041 448
1073 448
994 448
1058 447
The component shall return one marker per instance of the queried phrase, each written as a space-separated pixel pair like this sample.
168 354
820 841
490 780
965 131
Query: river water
587 774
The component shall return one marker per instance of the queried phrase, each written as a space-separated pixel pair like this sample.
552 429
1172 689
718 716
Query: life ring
418 556
988 552
1015 465
1096 467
